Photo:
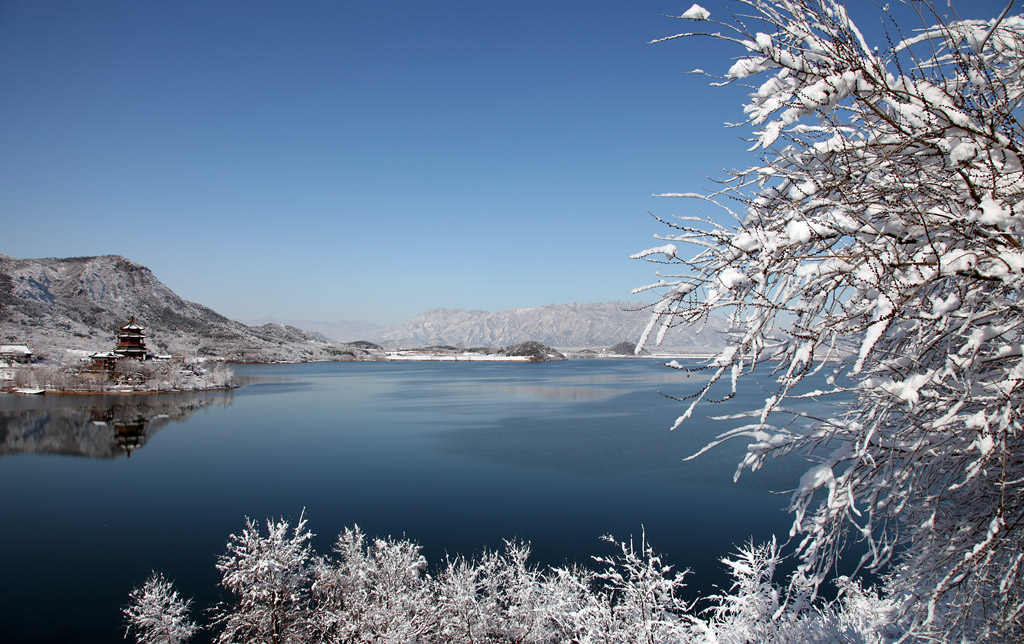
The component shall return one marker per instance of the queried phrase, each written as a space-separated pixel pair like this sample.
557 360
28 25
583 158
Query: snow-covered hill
76 303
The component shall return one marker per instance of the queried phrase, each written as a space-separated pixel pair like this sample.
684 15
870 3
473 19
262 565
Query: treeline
151 375
380 590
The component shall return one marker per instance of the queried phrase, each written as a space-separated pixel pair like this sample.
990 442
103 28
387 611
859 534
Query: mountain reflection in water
105 427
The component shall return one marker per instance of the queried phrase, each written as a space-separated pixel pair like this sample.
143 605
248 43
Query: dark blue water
455 456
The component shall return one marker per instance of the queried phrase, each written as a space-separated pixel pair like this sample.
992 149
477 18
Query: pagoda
131 341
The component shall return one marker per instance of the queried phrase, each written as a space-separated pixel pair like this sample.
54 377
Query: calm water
456 456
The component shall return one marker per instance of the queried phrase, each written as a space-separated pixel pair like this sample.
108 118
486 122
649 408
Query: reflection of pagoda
130 435
129 428
131 341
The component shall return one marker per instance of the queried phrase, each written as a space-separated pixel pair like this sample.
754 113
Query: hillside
76 303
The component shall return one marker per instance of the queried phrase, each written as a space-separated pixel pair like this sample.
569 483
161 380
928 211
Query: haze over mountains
76 303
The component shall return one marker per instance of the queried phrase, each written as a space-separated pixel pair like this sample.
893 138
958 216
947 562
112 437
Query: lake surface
99 491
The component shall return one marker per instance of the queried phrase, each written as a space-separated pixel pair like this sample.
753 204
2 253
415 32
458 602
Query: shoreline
55 392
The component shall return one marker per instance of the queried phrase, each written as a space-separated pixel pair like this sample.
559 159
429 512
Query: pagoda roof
131 326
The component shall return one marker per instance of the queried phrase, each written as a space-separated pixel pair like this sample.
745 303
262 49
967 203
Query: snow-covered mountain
559 325
338 331
76 303
596 325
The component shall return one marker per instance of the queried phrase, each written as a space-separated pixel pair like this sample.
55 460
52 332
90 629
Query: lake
99 491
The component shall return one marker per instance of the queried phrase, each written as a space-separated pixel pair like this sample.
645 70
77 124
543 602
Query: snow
993 213
908 390
668 250
816 478
732 278
696 12
798 231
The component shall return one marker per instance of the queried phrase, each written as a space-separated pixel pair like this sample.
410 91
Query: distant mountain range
598 325
76 303
337 331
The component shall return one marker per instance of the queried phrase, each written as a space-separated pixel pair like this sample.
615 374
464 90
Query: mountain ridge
576 325
76 303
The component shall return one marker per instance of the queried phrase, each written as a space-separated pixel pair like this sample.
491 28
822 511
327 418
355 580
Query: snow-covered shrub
513 587
639 597
460 618
878 239
157 614
376 591
748 612
269 577
380 591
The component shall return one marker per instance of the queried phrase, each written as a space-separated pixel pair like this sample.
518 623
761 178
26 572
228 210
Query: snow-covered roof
105 354
15 349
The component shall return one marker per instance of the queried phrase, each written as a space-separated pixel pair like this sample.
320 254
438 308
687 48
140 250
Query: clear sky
338 160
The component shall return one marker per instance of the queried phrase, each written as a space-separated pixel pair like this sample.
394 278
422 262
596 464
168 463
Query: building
104 361
11 353
131 341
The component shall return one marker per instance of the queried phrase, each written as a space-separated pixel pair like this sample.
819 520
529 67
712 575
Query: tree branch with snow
877 239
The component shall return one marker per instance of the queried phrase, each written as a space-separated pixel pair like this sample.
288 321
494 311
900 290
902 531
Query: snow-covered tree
510 595
639 597
269 577
377 591
157 614
878 239
496 598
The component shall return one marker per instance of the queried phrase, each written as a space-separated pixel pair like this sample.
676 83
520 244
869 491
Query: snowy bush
157 614
376 590
878 240
269 577
639 596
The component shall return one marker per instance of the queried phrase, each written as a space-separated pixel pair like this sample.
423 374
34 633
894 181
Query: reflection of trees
103 427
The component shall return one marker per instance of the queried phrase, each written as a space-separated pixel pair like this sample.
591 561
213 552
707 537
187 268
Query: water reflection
105 427
568 388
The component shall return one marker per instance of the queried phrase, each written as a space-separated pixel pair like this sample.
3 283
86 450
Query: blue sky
335 160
